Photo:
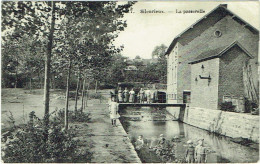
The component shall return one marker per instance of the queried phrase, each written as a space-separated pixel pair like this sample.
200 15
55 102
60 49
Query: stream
151 122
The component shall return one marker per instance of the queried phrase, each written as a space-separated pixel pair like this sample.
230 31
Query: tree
161 65
31 18
89 45
137 57
78 41
115 73
159 52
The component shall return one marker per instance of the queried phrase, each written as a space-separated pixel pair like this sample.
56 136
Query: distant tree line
153 72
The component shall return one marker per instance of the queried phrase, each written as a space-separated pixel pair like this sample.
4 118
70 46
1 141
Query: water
151 122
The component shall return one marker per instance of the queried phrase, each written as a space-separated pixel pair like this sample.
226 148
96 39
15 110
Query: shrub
249 105
95 96
77 116
227 106
27 144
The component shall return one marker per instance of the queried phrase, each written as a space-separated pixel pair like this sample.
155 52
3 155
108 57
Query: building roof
221 10
218 52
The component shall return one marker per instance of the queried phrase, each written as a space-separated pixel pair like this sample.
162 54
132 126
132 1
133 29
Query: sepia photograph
130 81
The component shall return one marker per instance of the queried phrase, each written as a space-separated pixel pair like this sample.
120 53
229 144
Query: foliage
249 105
96 96
75 36
154 71
74 116
115 73
161 65
227 106
26 25
26 144
11 120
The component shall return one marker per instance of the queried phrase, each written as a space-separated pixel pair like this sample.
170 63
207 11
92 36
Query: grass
20 102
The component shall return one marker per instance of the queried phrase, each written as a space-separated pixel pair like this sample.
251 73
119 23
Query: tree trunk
96 87
83 94
30 81
77 92
67 98
47 71
16 74
40 79
53 81
86 101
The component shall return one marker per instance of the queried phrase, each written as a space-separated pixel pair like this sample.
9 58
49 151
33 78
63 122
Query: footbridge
123 105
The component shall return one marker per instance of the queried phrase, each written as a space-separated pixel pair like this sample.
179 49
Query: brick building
218 73
223 43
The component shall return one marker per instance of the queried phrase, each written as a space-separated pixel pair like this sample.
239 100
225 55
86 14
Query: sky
145 31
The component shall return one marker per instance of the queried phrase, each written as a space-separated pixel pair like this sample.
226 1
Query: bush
249 105
227 106
28 144
95 96
77 116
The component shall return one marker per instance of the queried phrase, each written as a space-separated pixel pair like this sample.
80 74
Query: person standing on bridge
148 96
141 95
132 96
113 109
155 96
126 95
120 95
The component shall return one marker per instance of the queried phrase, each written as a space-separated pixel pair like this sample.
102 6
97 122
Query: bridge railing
159 98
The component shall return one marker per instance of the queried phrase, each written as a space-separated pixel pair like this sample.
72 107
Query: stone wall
229 150
226 123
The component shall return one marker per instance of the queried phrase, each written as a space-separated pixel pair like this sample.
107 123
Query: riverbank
106 143
152 122
99 141
230 124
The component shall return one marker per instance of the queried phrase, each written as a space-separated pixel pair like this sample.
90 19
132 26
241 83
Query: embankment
225 123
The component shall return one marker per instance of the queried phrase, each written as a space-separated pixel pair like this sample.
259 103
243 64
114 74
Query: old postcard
130 82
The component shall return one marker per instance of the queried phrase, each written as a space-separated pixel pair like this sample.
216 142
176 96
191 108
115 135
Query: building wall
204 94
231 31
172 75
226 123
231 73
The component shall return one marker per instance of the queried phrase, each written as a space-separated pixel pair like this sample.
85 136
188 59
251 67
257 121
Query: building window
218 33
172 96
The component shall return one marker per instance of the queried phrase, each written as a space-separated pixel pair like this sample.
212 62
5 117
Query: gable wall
231 73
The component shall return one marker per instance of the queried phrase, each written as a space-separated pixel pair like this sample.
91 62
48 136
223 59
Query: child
200 152
190 152
113 108
139 142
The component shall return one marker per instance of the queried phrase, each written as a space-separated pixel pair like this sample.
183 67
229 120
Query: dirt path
106 143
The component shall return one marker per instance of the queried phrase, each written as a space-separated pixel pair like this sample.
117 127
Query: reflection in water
151 123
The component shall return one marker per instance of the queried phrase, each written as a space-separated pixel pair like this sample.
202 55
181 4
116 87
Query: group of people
125 96
196 154
165 149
